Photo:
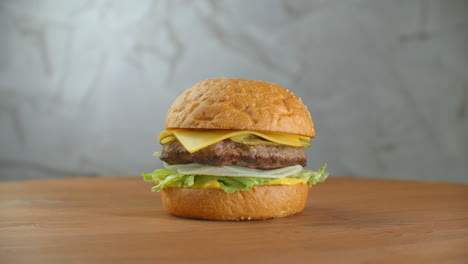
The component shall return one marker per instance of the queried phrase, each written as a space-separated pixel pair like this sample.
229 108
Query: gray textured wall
84 85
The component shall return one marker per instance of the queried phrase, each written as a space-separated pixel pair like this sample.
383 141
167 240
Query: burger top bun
239 104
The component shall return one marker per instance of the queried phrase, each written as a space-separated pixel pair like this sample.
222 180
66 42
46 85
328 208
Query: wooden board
118 220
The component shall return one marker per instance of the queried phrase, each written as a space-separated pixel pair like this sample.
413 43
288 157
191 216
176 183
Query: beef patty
228 152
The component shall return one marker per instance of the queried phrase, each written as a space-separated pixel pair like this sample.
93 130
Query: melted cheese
214 184
287 181
194 140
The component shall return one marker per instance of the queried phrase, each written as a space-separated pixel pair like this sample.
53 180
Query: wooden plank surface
118 220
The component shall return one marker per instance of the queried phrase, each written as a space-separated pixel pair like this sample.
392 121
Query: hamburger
233 149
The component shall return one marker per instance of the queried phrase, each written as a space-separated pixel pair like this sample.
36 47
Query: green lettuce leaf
312 177
168 178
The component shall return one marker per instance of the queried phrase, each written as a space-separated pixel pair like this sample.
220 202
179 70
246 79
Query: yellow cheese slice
194 140
286 181
213 184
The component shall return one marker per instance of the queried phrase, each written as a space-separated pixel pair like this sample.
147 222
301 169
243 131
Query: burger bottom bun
260 202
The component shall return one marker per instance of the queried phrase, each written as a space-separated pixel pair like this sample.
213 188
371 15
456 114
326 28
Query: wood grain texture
118 220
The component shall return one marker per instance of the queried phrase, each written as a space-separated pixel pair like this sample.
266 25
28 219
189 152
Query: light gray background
85 85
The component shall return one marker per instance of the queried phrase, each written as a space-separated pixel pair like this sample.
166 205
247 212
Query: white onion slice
235 171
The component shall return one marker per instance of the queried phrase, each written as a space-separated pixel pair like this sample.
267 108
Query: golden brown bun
260 202
239 104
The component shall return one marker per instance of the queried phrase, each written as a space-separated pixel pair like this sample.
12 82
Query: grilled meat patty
228 152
